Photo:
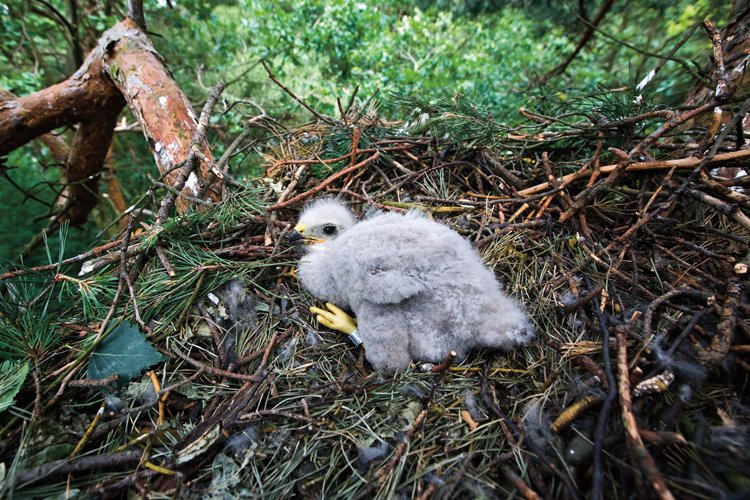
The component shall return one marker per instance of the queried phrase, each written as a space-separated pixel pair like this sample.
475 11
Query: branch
324 184
682 163
587 35
722 86
81 98
638 451
135 12
312 110
83 464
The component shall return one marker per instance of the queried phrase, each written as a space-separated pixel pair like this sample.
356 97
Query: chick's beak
296 238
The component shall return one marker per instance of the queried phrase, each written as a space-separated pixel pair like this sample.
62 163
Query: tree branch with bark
123 68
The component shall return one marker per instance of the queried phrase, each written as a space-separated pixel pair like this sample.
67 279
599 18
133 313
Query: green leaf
124 352
12 375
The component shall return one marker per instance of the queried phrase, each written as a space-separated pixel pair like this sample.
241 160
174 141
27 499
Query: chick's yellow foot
335 319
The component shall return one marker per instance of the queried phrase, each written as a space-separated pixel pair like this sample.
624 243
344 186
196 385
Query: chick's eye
329 229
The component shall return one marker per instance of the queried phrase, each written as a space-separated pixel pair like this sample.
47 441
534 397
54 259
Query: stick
58 467
645 166
325 183
638 451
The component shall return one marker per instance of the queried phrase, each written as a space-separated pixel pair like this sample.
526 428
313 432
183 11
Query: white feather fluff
419 290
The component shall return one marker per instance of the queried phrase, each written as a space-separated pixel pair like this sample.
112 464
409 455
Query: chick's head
321 221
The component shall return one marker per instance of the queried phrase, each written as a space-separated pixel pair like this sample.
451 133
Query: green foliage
12 375
124 352
27 330
464 120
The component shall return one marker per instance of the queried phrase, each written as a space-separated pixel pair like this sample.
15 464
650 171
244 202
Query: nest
627 246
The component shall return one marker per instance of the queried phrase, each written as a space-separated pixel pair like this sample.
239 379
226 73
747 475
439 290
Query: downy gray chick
418 289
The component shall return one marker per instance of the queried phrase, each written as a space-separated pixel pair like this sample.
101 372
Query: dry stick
727 209
601 424
682 163
259 414
718 349
329 161
653 306
736 120
325 183
587 35
124 275
669 125
38 394
642 220
525 490
722 86
446 364
582 301
87 435
97 382
584 197
214 371
83 464
221 164
165 260
291 94
638 450
400 449
508 228
247 358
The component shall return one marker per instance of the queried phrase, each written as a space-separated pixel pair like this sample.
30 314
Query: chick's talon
335 319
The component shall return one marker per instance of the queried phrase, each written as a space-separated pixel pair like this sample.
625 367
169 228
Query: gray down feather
418 289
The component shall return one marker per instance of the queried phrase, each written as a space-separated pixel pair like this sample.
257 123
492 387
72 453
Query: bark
81 175
166 117
57 146
82 97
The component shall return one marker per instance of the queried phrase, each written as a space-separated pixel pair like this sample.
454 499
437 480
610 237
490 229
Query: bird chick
418 289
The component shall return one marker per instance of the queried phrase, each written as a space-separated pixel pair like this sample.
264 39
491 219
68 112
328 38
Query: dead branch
639 453
83 464
585 38
682 163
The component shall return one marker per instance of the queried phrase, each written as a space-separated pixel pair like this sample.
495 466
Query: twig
214 371
682 163
165 260
383 473
722 86
291 94
88 382
446 364
190 163
601 423
85 438
639 453
587 35
83 464
325 183
582 301
523 488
